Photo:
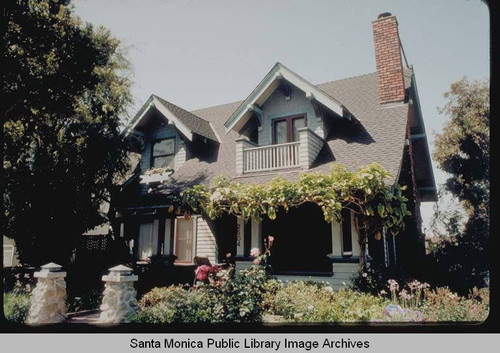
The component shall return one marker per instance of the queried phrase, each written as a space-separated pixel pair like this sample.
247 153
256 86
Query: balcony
251 158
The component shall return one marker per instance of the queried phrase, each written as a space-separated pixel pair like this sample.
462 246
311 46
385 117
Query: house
285 127
9 253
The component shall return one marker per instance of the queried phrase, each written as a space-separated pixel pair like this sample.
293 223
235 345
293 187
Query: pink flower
202 272
228 255
256 261
255 252
404 294
415 284
393 285
270 239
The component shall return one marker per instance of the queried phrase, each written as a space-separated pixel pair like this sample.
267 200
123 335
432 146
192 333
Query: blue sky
200 53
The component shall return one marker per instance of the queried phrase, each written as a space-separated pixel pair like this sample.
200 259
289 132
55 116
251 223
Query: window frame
152 157
289 126
193 241
155 222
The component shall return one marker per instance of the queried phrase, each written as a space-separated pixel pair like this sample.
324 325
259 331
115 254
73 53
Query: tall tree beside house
64 88
463 151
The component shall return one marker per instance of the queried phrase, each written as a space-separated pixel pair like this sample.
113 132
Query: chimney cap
384 14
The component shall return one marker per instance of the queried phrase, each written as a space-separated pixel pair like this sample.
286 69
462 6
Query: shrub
218 296
243 297
317 302
179 304
16 306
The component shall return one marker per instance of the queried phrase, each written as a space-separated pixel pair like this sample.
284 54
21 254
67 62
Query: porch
305 246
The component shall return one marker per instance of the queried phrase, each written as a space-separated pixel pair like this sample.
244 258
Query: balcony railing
300 154
272 157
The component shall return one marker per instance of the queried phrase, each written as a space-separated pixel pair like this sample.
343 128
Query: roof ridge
346 78
216 106
318 84
175 105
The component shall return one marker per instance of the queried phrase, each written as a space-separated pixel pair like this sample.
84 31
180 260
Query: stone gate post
48 305
119 298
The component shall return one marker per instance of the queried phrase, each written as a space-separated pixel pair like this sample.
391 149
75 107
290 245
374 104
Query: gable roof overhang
178 121
279 73
426 183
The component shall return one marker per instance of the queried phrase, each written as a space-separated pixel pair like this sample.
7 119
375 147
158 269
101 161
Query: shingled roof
380 136
193 123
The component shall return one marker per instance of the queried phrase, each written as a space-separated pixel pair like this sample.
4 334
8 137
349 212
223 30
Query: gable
185 122
279 76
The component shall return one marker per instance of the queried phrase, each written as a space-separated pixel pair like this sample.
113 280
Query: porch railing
284 155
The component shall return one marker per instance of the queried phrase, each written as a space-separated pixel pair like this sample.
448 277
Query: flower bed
252 294
415 302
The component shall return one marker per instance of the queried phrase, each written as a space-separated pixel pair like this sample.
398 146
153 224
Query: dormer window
285 129
163 153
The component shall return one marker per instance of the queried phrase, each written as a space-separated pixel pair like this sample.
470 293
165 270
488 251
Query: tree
463 151
64 88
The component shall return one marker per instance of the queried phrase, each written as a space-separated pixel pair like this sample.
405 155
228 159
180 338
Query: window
166 239
148 240
163 153
285 129
184 240
346 233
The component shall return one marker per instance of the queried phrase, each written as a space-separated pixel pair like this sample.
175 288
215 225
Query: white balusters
271 157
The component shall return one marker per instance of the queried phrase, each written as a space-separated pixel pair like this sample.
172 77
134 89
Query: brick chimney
390 80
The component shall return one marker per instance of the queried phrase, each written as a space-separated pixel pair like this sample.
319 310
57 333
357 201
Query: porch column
336 239
256 239
356 248
240 236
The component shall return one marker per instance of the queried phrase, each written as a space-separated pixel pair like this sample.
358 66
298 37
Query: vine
374 204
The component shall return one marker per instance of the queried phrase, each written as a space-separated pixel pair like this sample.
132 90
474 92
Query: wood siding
276 107
310 146
206 244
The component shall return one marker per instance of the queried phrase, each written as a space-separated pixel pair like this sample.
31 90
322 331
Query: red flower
202 272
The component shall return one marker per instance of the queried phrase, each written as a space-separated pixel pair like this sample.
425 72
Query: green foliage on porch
374 202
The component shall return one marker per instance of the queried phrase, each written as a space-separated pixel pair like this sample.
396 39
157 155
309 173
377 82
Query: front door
285 129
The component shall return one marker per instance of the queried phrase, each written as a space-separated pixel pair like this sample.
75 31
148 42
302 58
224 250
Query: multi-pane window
184 239
148 240
285 129
163 153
